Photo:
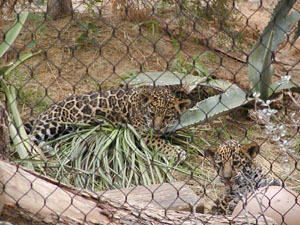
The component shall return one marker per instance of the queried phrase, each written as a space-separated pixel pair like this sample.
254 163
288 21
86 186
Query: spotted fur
238 171
143 108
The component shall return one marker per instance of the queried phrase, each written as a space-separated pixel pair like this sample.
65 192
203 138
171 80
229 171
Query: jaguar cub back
143 108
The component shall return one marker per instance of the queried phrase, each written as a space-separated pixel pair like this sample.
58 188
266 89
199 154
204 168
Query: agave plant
260 68
16 129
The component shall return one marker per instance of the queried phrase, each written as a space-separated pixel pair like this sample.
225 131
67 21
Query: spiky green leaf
260 70
212 107
166 78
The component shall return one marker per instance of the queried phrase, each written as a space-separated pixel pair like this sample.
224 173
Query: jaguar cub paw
175 153
219 208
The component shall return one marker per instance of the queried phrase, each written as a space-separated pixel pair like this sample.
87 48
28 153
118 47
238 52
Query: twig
293 99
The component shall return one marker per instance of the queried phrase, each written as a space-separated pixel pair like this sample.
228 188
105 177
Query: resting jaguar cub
238 171
143 108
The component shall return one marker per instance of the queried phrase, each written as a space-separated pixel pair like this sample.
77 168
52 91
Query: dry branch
29 198
166 196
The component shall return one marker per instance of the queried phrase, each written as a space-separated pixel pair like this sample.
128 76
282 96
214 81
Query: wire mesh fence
139 111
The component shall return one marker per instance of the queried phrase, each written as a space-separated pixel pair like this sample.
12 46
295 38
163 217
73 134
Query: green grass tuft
105 157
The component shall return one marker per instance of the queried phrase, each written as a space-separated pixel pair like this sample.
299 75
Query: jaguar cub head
160 107
230 158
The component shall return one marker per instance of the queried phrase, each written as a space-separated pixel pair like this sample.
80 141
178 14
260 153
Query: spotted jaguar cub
238 171
143 108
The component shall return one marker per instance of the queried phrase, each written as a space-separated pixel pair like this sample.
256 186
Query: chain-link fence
149 112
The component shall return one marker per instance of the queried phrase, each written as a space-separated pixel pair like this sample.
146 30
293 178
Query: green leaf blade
12 34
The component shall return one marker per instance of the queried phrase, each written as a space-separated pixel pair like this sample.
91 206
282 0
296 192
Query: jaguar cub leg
161 145
221 206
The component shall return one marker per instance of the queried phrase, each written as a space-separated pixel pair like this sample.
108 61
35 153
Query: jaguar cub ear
210 152
182 106
251 149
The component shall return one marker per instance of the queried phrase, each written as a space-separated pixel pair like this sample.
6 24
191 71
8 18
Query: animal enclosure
148 111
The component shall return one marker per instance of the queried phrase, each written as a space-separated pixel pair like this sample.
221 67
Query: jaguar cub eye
167 117
235 163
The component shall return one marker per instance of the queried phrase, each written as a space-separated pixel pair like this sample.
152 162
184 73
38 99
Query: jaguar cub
238 171
143 108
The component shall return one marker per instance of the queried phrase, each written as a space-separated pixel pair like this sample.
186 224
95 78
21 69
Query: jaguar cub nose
227 174
227 180
157 122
